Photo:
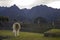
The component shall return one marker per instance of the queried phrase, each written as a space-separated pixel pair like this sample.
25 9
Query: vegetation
25 36
35 28
52 33
4 19
40 20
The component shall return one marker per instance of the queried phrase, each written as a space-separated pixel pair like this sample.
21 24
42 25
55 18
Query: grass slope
25 36
54 31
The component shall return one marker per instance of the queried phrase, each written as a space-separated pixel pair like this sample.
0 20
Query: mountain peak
14 6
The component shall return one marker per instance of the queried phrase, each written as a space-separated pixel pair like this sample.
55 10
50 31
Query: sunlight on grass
26 36
54 31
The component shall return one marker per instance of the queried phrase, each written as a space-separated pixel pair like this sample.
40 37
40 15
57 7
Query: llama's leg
14 32
17 33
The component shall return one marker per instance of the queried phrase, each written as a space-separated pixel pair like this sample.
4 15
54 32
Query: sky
29 3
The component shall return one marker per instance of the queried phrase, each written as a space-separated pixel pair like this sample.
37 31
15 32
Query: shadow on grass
6 37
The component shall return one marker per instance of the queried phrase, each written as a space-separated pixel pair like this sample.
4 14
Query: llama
16 28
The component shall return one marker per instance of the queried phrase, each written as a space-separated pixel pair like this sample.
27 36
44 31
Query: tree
4 19
40 20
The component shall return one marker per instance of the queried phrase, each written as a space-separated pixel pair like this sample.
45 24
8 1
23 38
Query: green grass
25 36
54 31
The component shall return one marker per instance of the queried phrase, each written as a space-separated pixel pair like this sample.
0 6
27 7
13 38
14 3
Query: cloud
9 3
39 2
54 4
5 3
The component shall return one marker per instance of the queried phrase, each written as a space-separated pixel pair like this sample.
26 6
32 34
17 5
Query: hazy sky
26 3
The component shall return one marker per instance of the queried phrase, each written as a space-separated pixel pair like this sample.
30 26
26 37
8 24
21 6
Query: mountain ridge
28 15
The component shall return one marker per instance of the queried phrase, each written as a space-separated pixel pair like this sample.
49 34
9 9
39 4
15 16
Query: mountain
11 12
28 15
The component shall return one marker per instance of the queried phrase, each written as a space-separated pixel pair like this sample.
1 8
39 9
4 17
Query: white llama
16 28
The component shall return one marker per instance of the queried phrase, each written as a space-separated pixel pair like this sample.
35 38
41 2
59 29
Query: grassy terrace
8 35
54 31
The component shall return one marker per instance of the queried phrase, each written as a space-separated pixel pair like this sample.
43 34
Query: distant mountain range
28 15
